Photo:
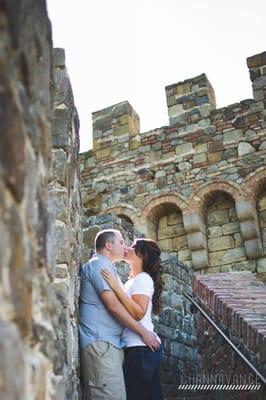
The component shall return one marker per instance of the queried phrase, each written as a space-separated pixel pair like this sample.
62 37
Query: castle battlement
205 156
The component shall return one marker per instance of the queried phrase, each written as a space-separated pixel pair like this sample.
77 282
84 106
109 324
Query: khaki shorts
102 373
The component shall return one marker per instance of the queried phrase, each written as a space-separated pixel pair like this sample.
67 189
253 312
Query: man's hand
150 339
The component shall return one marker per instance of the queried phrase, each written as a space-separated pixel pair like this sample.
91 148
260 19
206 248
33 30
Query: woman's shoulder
144 276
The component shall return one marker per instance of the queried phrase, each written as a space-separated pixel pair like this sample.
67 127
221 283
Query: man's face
118 247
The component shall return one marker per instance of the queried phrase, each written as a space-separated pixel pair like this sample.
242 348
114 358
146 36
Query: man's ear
108 245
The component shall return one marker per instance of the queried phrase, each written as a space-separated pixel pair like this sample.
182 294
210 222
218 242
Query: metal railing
241 355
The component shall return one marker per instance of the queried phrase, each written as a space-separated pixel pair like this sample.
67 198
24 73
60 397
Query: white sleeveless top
141 284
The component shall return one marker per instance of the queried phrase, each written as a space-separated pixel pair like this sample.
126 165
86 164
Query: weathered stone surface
59 165
230 228
232 136
225 242
31 328
215 231
261 265
217 217
12 359
227 256
184 149
180 242
245 148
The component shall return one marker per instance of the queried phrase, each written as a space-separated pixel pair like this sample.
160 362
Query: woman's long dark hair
150 253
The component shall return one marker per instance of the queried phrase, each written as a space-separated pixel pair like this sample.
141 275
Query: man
102 319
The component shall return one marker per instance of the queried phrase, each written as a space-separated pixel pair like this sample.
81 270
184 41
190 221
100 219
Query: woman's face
131 255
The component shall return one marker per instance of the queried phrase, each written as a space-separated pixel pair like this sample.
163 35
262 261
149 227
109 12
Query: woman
141 296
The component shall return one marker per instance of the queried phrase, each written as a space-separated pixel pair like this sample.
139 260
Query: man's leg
102 375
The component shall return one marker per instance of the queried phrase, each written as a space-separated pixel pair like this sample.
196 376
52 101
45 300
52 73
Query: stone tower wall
197 185
39 211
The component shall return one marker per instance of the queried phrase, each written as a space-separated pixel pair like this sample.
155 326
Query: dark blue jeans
141 371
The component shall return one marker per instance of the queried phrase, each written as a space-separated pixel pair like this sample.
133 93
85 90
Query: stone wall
65 203
38 284
207 168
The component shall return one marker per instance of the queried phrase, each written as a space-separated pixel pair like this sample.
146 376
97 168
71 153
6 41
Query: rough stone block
59 165
62 245
232 136
166 245
196 241
201 148
162 224
171 231
59 58
180 242
249 230
245 148
244 266
199 158
193 222
227 256
261 265
184 255
214 231
102 154
200 259
175 219
232 227
217 217
175 110
221 243
253 248
184 149
244 210
59 203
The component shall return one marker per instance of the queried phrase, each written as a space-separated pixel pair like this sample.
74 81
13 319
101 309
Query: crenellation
257 72
190 101
118 123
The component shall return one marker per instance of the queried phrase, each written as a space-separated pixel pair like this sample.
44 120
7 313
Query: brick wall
237 303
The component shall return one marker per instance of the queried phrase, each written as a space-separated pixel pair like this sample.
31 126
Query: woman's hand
112 281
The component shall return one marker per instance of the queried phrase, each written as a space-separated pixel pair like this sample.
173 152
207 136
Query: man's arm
119 312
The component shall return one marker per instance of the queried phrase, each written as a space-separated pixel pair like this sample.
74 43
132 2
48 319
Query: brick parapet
238 302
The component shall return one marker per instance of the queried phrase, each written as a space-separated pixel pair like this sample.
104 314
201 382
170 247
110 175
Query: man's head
110 243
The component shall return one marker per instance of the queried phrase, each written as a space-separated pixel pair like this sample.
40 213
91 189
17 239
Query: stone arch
163 217
245 210
158 203
256 183
195 218
126 211
206 192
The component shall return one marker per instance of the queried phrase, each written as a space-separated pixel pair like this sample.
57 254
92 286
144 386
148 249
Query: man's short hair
104 236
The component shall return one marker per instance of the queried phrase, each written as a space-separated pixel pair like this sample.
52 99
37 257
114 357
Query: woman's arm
136 305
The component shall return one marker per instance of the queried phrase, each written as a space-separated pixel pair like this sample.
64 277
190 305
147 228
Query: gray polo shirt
95 322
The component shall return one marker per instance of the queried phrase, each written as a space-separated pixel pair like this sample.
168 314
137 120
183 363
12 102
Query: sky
120 50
